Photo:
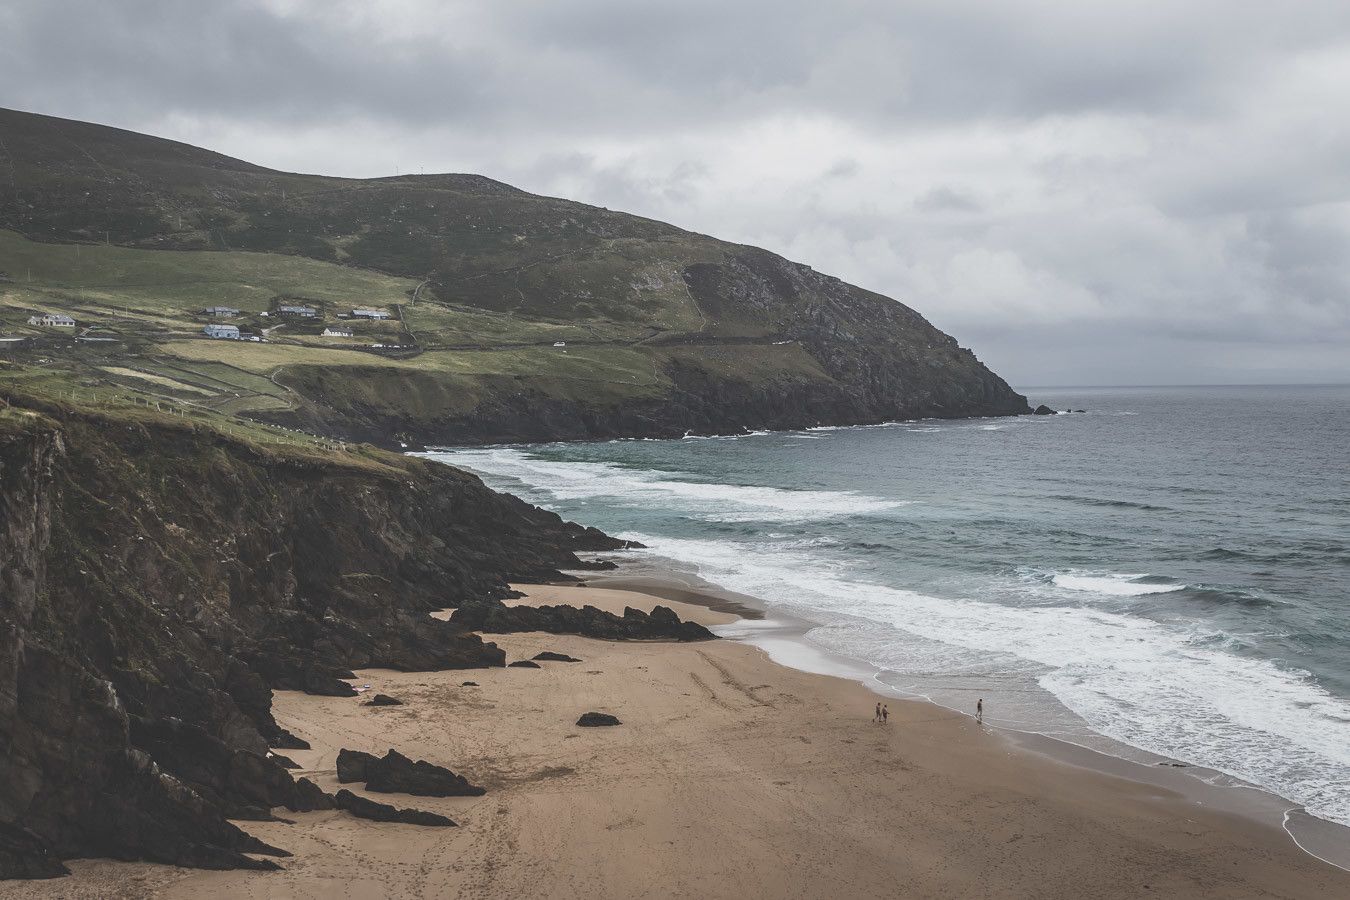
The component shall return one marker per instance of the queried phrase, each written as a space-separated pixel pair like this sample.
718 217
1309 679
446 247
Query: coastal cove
730 776
1159 580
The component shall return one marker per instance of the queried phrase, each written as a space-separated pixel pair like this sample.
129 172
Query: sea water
1169 570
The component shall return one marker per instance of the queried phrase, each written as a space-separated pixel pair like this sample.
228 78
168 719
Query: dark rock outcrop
25 855
310 797
468 684
159 579
351 765
597 720
394 773
1043 410
383 700
365 808
551 656
493 616
523 664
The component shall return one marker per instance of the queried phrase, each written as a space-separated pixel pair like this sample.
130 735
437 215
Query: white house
222 332
365 312
560 343
330 331
52 320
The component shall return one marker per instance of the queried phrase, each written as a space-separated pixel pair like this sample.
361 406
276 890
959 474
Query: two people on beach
882 714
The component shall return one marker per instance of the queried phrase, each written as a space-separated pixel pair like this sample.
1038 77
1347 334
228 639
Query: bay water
1168 571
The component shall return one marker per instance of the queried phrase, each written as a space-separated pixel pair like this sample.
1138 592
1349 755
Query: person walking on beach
885 715
876 716
979 710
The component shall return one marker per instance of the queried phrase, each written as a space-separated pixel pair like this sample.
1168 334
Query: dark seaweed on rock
495 617
158 580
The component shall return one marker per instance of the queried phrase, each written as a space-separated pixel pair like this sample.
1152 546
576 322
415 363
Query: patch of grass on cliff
65 390
590 364
185 281
749 362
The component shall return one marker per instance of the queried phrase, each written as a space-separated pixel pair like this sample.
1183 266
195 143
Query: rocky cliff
159 579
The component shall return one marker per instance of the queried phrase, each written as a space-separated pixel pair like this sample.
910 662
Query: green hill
663 331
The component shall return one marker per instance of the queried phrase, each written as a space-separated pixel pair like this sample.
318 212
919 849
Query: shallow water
1168 570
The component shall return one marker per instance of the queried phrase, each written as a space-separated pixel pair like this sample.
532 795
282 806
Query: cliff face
158 580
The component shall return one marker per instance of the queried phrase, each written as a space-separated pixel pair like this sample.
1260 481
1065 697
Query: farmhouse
305 312
221 312
366 312
52 320
330 331
222 332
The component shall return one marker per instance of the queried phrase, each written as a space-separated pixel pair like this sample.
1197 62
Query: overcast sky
1143 192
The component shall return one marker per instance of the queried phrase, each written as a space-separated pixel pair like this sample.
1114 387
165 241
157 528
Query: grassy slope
665 329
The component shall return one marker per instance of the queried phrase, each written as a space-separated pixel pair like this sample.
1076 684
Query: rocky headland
159 579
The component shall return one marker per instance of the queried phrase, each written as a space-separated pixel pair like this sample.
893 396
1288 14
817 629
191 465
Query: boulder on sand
395 773
597 719
25 855
523 664
365 808
383 700
352 764
550 656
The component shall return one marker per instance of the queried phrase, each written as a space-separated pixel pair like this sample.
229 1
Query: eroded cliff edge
158 578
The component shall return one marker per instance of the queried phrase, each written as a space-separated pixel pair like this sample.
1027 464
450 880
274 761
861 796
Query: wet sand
732 776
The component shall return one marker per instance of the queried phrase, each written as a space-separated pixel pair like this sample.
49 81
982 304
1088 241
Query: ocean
1167 571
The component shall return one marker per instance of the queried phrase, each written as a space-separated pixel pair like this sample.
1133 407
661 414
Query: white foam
1113 585
641 488
1161 688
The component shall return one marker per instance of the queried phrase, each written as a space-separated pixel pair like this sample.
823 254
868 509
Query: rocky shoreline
161 579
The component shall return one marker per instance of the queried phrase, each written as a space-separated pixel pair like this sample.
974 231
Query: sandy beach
731 776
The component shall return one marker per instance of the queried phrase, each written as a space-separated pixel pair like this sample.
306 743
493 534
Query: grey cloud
1072 189
946 199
